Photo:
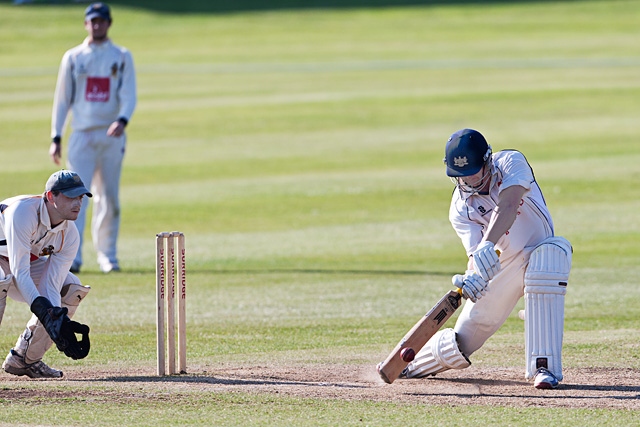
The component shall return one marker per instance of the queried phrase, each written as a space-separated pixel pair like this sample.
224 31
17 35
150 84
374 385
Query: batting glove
485 260
473 286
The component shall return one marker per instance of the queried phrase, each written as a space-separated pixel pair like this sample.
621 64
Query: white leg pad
439 354
72 295
545 281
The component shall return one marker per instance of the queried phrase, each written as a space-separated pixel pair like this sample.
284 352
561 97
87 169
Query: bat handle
458 281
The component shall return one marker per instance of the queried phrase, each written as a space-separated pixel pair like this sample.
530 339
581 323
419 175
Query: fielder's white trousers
97 158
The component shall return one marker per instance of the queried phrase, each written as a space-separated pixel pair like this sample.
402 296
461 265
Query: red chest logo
97 89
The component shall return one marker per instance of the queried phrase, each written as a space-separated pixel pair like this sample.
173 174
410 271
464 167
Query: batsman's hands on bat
486 261
473 286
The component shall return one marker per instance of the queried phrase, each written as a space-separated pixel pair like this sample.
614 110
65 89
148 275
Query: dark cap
68 183
466 152
97 10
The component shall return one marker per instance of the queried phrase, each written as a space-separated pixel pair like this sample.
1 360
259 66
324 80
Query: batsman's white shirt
470 216
26 227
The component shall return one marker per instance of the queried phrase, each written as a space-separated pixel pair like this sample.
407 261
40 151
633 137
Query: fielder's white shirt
470 214
97 83
26 227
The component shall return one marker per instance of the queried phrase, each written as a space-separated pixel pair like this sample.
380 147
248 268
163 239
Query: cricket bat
418 336
421 332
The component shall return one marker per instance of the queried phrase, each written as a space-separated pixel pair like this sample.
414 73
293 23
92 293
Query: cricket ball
407 354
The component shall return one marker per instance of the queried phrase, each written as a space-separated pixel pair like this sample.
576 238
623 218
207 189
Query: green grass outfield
300 151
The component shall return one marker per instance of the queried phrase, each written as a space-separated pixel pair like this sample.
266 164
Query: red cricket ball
407 354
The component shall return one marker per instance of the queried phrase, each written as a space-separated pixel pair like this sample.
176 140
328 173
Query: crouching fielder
497 206
38 241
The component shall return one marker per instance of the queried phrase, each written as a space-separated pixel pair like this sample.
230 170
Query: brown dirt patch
581 388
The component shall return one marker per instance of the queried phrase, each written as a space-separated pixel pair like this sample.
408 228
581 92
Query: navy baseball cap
465 153
97 10
68 183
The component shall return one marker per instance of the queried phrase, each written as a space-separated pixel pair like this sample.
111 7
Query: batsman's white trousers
479 321
97 158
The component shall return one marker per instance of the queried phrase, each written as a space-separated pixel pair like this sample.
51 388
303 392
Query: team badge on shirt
97 89
47 250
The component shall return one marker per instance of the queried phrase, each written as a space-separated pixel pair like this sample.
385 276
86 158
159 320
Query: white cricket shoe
545 380
14 364
107 267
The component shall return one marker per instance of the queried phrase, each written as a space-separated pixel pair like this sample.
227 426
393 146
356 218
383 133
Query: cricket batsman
498 207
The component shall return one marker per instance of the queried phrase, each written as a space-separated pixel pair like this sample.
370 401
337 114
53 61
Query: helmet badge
460 162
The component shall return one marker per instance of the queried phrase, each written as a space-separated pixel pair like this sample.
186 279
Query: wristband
123 121
56 139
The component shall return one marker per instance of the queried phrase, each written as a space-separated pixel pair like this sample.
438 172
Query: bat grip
458 279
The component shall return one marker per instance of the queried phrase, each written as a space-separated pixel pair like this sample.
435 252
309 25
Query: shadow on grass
203 379
228 6
591 387
515 383
267 271
577 388
563 386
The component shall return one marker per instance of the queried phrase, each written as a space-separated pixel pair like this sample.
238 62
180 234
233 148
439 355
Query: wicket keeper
38 241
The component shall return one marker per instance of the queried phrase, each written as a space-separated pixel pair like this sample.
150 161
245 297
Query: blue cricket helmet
466 152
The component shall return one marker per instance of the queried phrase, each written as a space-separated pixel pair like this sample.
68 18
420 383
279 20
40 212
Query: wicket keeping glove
51 318
61 329
75 349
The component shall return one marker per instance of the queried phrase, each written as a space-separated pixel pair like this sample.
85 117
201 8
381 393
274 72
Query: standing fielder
97 83
497 205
